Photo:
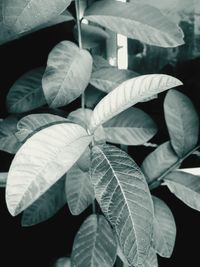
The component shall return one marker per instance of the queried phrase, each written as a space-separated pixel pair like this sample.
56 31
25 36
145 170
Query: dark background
40 245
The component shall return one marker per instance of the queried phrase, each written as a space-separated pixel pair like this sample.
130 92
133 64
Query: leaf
79 190
81 116
186 187
26 93
26 15
128 94
106 79
142 22
158 162
94 244
131 127
123 195
92 36
63 262
151 260
46 206
99 63
92 96
67 74
8 139
164 229
33 123
41 161
182 122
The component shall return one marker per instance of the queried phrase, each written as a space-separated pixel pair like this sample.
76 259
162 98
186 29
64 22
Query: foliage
68 159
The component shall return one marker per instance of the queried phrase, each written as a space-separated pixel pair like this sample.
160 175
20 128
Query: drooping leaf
185 186
99 63
136 21
8 139
46 206
67 74
33 123
22 16
152 260
94 244
63 262
123 195
129 93
108 78
131 127
158 162
92 36
182 122
26 93
41 161
164 229
79 190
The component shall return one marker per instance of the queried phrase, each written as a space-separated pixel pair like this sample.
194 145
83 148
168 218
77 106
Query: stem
94 207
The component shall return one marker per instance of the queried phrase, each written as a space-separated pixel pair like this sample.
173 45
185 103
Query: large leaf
164 229
152 260
106 79
94 244
158 162
26 15
67 74
8 139
185 186
182 122
41 161
26 93
129 93
123 195
79 190
136 21
46 206
131 127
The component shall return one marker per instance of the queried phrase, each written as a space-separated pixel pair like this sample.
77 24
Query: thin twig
77 6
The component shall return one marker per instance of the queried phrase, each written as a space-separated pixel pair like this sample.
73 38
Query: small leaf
94 244
46 206
26 93
123 195
26 15
164 229
79 190
67 74
185 186
137 21
92 96
152 260
158 162
129 93
63 262
8 139
41 161
99 63
131 127
182 122
106 79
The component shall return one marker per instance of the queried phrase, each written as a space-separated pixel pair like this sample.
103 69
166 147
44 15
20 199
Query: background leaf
99 62
137 21
182 122
123 195
131 127
46 206
94 244
67 74
93 96
129 93
41 161
164 229
26 93
185 186
79 190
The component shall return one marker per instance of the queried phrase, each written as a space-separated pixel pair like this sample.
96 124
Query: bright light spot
112 61
122 53
84 21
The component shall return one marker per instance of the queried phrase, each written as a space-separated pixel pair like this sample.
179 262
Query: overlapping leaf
164 229
41 161
182 122
123 195
46 206
67 74
26 93
152 260
186 187
94 244
81 116
129 93
131 127
79 190
136 21
92 96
